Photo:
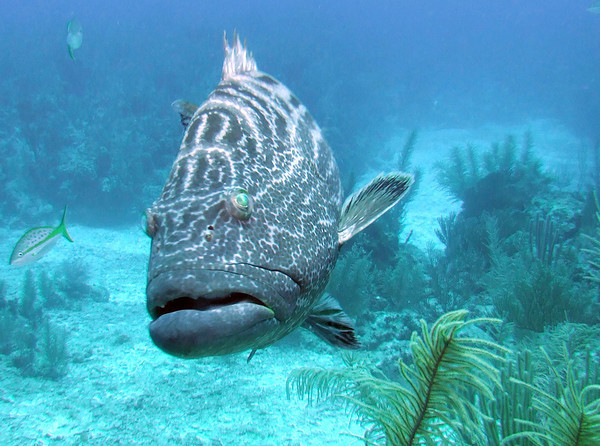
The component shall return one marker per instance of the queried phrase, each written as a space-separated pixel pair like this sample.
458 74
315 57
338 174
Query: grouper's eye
239 203
148 224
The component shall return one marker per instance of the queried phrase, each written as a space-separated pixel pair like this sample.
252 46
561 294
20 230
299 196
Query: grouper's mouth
204 304
211 312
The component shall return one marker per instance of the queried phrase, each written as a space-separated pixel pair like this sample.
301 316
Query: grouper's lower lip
195 333
211 312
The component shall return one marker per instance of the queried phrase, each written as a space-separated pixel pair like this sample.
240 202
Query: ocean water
514 85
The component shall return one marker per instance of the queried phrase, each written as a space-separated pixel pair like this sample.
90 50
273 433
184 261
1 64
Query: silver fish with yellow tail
37 242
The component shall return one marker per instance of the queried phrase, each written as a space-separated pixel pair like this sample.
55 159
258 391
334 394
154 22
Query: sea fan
433 403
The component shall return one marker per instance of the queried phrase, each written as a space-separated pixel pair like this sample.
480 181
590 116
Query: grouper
250 222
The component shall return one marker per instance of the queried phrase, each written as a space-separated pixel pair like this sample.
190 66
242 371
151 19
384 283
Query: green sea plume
432 403
571 413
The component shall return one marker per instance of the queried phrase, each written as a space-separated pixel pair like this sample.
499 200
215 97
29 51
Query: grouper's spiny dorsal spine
237 59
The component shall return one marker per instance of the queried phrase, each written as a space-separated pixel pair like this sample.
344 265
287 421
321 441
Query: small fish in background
595 8
36 242
74 36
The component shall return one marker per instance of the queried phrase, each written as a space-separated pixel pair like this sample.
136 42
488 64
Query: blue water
356 66
99 134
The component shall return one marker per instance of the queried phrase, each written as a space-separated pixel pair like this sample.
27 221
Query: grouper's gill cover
247 228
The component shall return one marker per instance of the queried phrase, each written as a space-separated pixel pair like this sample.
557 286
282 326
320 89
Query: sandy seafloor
120 389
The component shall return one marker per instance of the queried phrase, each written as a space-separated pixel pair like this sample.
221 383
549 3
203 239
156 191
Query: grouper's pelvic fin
251 355
237 58
329 322
369 203
185 109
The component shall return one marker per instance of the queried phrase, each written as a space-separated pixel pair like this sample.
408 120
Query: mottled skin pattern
251 133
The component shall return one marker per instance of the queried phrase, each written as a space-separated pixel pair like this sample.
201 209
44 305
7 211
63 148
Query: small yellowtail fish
595 8
36 242
74 36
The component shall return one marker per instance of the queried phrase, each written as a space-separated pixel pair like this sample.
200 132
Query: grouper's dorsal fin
329 322
365 206
185 109
237 58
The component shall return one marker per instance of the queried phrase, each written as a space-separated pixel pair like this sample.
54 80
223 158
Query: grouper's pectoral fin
185 109
329 322
369 203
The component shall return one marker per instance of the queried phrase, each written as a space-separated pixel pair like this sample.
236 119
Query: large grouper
250 222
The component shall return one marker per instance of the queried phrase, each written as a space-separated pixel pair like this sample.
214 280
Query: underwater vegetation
352 280
538 285
36 346
506 177
498 190
35 343
463 388
76 139
594 249
522 248
432 397
551 409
